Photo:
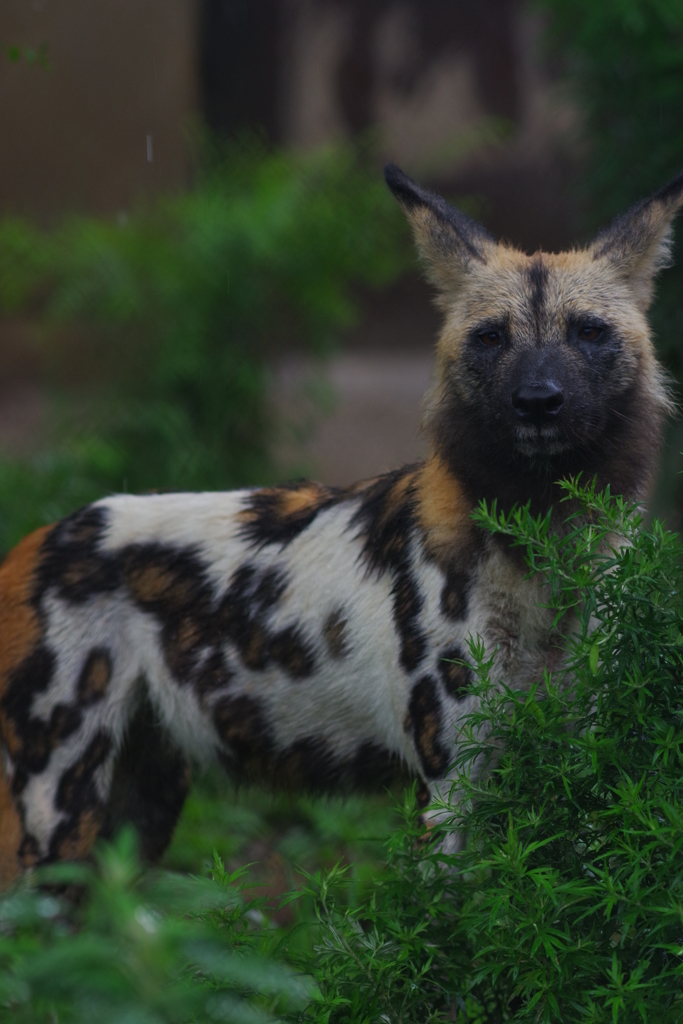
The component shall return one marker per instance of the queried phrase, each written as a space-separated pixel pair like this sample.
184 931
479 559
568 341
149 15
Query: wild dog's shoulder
277 515
426 498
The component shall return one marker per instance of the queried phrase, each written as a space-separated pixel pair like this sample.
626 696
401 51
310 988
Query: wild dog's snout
537 404
537 388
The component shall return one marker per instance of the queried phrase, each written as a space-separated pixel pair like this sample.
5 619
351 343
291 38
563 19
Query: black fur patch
408 604
95 677
214 674
454 595
80 803
74 837
291 651
307 764
279 514
29 739
242 725
166 580
386 521
76 787
456 678
310 764
242 618
149 785
71 561
29 851
537 275
424 722
271 585
64 721
334 632
238 611
386 518
373 768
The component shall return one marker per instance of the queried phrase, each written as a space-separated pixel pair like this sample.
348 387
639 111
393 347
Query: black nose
538 403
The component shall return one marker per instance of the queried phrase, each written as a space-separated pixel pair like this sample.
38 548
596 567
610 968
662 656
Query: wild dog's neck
625 458
443 510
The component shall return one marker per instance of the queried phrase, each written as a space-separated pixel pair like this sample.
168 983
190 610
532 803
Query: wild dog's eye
590 332
489 338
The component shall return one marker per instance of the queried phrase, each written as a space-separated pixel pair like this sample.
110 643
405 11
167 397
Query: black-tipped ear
638 243
447 239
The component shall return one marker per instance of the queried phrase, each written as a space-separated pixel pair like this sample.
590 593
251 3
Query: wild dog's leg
69 665
149 785
11 836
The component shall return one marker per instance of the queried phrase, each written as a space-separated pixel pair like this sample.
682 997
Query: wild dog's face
545 365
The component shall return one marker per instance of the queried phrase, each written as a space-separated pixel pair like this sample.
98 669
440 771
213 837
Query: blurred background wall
107 121
76 131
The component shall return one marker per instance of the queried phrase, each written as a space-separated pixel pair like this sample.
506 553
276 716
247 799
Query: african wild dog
309 635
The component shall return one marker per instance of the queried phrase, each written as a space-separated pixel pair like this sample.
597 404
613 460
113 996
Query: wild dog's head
545 365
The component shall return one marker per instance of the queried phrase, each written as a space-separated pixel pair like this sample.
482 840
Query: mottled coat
313 636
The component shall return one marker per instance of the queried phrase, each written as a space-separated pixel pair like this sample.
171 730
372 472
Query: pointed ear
638 243
447 240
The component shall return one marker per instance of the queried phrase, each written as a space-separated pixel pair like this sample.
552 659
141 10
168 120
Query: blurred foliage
565 904
277 836
166 320
106 944
30 54
624 61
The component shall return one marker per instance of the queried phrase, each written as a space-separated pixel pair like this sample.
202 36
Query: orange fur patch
309 496
442 509
19 625
95 679
289 502
155 583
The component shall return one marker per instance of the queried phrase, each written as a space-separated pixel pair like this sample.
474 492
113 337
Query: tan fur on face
577 283
435 244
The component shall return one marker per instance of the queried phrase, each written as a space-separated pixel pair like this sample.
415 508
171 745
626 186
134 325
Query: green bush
167 318
567 902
